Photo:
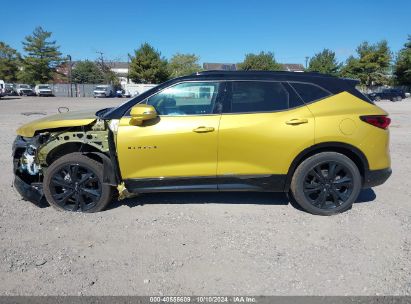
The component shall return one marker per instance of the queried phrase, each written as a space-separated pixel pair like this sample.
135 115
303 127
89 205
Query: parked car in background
103 91
24 90
123 93
2 88
43 90
11 89
390 94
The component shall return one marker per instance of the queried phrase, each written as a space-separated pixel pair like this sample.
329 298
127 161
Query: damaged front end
33 155
28 175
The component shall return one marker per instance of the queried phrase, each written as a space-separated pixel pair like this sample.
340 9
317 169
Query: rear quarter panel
337 119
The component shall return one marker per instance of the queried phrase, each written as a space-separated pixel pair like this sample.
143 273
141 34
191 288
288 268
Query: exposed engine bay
33 155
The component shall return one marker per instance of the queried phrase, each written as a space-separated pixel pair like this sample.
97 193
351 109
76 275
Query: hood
62 120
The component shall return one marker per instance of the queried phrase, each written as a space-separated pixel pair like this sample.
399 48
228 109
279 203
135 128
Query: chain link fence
77 90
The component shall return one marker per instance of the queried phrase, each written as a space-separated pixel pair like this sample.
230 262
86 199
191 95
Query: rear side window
258 96
309 92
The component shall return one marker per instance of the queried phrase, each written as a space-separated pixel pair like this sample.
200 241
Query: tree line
373 64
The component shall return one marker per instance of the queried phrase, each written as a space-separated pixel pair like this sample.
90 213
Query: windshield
100 88
44 87
24 86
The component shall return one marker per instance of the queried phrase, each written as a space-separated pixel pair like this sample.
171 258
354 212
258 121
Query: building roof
219 66
293 67
118 65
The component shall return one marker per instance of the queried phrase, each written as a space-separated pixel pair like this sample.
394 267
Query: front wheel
326 183
74 182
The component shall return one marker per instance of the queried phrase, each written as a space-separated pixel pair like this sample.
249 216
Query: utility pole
128 68
101 57
306 61
69 72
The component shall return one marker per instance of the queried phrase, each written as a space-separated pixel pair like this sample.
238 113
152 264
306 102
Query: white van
43 90
2 88
103 90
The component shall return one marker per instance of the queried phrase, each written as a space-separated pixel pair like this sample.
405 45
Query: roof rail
223 72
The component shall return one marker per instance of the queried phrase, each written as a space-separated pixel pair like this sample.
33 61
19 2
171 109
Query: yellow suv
312 135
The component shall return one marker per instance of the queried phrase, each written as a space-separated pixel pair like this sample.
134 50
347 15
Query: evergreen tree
42 57
147 66
324 62
402 68
372 66
183 64
262 62
9 63
87 72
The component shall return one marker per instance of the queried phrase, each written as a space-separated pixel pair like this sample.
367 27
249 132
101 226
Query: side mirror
142 112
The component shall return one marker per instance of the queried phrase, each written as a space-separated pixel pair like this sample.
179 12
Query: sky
217 31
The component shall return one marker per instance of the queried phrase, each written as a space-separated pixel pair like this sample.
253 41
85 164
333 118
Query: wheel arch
353 153
110 176
67 148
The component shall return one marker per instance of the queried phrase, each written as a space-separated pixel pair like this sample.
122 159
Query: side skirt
258 183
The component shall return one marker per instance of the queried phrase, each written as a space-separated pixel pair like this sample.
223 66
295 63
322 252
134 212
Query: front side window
309 92
189 98
258 96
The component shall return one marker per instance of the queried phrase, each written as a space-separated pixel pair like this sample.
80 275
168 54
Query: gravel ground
205 244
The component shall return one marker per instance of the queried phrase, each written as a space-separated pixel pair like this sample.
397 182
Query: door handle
297 121
203 129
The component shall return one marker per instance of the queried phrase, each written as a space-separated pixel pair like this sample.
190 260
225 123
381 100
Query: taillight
379 121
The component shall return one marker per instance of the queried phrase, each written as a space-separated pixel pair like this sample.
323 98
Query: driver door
178 149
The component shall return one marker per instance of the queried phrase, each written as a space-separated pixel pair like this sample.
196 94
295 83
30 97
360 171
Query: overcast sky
217 31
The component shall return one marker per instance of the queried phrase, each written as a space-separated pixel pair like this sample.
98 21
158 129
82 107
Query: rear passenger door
264 126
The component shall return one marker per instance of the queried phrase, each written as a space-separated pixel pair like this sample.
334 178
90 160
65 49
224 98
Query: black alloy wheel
75 188
328 185
74 182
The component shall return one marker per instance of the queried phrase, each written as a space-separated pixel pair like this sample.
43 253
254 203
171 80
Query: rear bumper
375 178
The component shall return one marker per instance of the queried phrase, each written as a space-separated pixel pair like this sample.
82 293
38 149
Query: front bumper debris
31 192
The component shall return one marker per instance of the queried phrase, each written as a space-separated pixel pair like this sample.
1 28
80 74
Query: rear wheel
326 183
74 182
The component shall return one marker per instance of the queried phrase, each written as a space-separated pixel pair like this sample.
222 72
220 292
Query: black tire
317 192
74 182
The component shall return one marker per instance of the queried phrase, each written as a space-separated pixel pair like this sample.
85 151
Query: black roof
323 80
330 83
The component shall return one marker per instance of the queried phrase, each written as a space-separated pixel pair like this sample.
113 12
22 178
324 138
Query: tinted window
309 92
189 98
294 100
258 96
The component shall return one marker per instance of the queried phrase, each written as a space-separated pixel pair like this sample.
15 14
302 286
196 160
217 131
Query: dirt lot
205 244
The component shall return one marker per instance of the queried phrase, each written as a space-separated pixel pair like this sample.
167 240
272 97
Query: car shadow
9 98
257 198
238 198
230 198
366 196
